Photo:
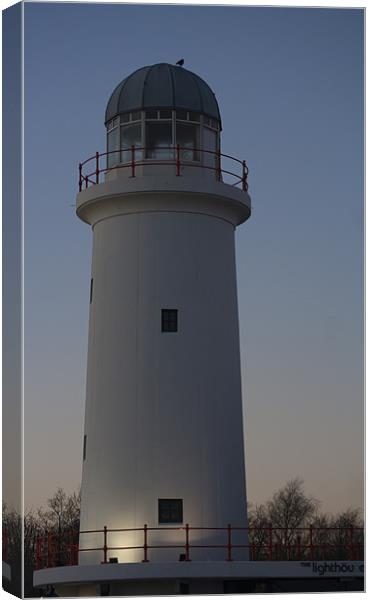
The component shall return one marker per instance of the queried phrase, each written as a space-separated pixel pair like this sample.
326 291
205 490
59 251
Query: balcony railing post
244 176
80 177
70 548
276 554
270 542
104 544
351 544
229 543
187 543
145 545
359 552
86 182
50 550
299 547
218 166
133 161
37 554
178 160
311 547
97 167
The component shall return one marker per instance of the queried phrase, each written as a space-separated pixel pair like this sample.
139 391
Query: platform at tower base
214 577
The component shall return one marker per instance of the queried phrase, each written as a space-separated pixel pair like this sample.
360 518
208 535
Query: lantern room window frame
203 123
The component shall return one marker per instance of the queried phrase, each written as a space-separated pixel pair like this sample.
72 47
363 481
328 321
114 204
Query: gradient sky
290 88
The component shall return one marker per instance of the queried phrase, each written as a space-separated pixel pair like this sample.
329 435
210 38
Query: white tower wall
163 410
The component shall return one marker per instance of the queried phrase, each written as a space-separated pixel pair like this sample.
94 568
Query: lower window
170 511
169 320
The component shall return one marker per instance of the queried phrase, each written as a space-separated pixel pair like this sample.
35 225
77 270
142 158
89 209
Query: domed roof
162 86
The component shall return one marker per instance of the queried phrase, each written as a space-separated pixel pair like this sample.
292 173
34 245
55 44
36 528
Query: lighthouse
163 498
163 446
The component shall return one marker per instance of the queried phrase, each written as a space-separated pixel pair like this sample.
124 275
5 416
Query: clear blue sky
290 88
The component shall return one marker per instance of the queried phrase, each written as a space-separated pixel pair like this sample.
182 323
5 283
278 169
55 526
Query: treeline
279 529
290 526
59 519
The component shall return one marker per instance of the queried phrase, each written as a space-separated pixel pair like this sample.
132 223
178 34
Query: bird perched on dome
180 62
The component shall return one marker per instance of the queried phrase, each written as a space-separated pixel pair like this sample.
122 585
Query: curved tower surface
163 438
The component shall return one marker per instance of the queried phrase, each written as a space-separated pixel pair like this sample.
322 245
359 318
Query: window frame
167 321
179 510
202 121
159 122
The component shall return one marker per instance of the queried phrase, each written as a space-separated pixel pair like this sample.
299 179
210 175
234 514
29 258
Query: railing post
253 553
49 549
359 552
145 545
133 161
97 167
351 544
311 547
104 544
244 176
80 177
76 552
70 548
299 547
187 543
218 166
177 159
86 182
270 542
229 544
39 549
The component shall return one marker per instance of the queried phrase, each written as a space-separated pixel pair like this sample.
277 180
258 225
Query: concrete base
137 579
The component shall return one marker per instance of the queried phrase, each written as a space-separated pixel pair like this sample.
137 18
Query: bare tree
281 518
58 522
259 525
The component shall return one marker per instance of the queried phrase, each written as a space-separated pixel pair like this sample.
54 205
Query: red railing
176 158
266 543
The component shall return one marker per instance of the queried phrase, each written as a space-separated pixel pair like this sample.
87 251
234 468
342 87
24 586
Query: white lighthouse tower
163 439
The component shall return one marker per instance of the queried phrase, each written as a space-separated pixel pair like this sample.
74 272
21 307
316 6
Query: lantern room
159 110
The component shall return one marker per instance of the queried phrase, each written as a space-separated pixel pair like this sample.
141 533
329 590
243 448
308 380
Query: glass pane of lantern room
113 144
158 140
187 138
131 135
210 138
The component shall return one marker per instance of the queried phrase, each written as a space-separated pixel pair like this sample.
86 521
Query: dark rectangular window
170 511
84 449
169 319
91 290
